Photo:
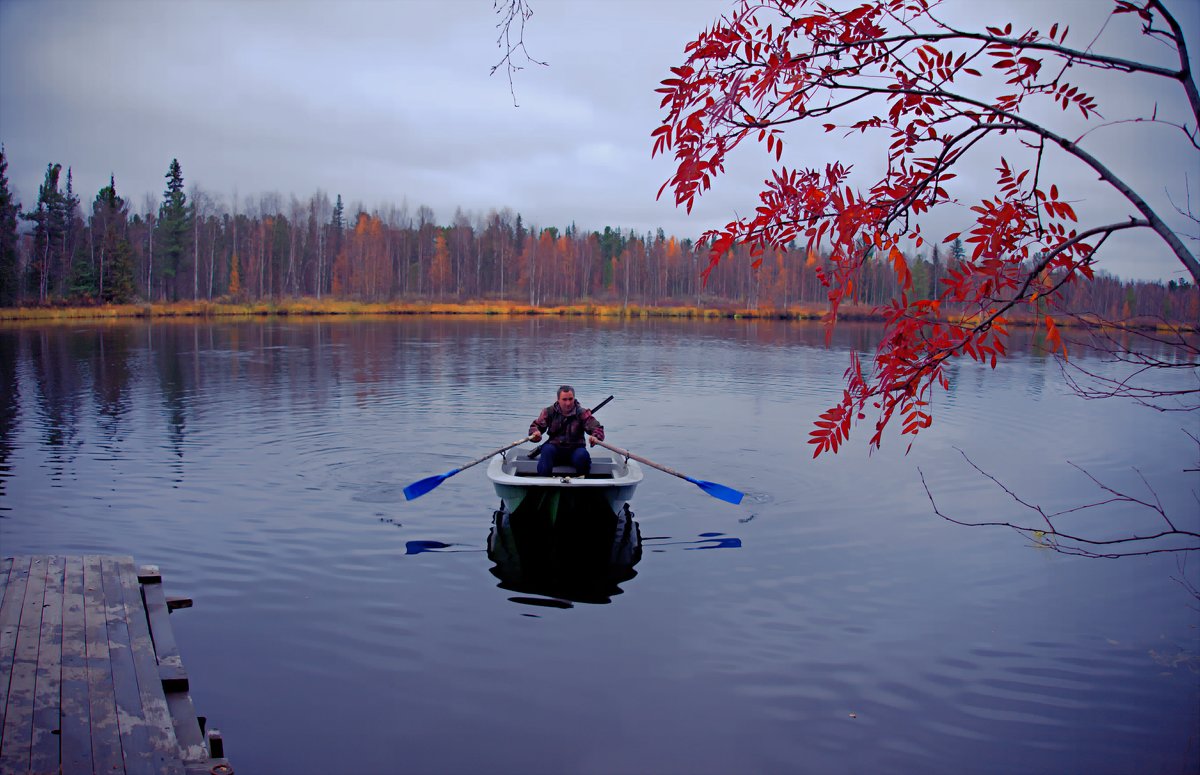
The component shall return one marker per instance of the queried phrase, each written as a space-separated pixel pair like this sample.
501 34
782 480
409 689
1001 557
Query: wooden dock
91 680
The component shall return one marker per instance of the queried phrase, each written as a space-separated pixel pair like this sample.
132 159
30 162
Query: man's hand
535 436
592 440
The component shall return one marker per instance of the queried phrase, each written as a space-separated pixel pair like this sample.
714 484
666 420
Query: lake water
830 623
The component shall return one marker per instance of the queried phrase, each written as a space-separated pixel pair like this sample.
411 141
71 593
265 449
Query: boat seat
603 467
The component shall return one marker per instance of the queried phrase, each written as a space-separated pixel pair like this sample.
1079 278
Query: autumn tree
200 209
319 210
370 265
933 100
464 256
439 267
235 277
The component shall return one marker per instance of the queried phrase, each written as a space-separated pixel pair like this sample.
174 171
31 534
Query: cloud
391 103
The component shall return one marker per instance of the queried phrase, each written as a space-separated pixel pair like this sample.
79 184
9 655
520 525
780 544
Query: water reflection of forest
73 372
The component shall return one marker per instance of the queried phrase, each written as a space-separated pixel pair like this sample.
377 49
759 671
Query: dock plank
76 708
164 746
91 679
171 671
18 717
10 619
135 738
102 702
44 750
170 661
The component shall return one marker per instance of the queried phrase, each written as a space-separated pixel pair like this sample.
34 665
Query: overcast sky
391 102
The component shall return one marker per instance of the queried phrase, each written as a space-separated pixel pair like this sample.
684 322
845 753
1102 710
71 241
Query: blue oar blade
719 491
417 489
420 547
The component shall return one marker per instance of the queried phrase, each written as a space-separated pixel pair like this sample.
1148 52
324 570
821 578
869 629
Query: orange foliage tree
235 278
439 268
937 98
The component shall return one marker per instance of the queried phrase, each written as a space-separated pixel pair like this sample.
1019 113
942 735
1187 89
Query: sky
391 103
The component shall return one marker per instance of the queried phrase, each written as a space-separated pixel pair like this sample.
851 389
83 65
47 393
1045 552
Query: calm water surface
831 623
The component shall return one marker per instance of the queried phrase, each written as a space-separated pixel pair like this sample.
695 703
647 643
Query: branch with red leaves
772 64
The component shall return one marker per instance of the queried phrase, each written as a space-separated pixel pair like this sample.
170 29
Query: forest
190 245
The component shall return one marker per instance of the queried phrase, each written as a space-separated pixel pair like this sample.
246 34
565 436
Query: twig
1053 537
512 12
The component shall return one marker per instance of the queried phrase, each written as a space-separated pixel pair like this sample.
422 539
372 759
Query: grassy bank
302 307
315 307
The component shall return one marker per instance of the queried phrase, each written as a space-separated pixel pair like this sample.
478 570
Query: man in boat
565 422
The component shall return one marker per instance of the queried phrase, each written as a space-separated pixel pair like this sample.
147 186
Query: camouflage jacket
566 431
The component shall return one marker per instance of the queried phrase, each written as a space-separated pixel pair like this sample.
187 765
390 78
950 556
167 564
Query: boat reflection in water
578 556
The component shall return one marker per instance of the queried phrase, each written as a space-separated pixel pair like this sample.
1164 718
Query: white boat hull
514 476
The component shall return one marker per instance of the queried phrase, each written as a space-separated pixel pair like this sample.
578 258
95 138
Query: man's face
566 400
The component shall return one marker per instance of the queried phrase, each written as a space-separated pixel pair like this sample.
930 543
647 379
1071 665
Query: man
565 422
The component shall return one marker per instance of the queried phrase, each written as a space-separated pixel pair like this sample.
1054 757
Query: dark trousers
554 456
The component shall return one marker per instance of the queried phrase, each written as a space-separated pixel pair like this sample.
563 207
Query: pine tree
9 211
173 226
957 251
68 218
47 233
110 228
337 225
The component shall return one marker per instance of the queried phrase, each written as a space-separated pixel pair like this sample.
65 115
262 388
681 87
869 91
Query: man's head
566 398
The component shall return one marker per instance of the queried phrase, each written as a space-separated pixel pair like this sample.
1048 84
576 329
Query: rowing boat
611 481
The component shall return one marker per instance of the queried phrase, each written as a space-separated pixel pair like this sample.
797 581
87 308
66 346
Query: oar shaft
490 455
638 458
419 488
715 489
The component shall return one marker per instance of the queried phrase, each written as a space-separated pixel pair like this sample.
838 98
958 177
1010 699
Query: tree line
191 246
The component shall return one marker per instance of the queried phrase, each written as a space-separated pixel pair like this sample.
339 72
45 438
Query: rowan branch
794 105
1154 221
742 80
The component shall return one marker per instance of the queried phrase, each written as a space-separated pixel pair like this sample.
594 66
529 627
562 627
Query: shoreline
307 307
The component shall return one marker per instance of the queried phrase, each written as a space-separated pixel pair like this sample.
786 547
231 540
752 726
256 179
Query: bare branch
1171 540
1186 210
1136 347
1183 581
1177 39
512 12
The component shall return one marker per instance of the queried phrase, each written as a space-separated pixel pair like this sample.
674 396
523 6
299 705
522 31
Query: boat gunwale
633 475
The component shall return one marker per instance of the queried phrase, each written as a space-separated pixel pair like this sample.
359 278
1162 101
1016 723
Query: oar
718 491
417 489
538 449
